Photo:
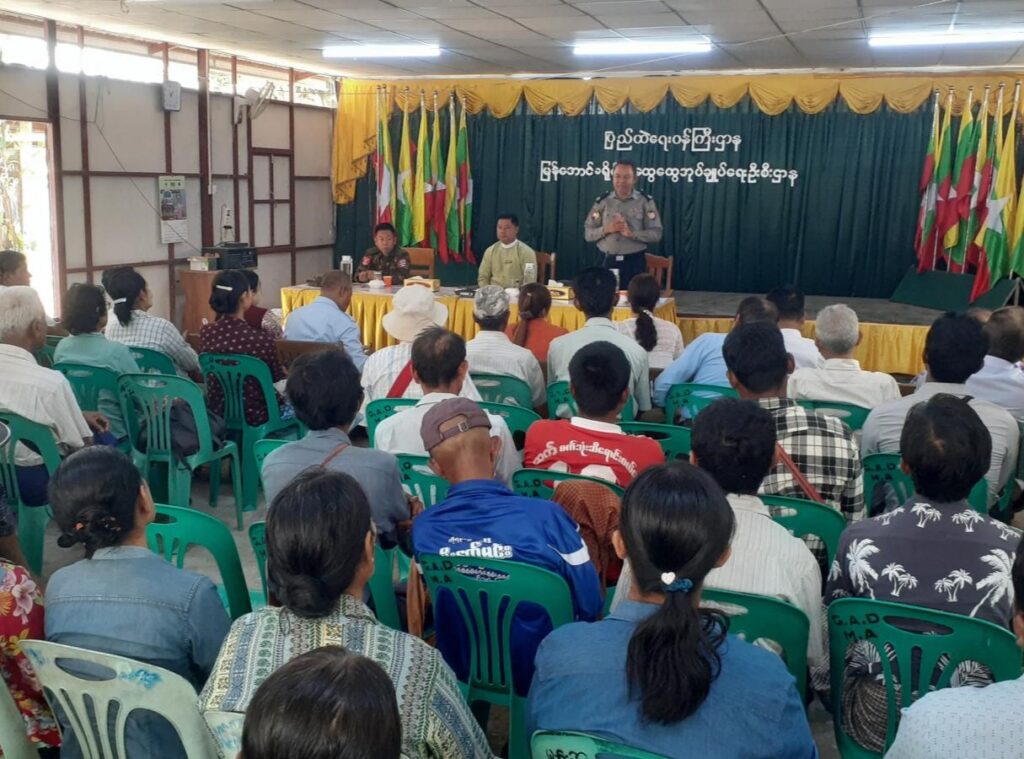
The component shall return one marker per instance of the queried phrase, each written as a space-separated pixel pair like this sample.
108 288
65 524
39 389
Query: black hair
599 374
595 291
534 300
955 348
252 278
630 164
734 442
226 292
788 301
946 446
108 275
84 307
316 531
328 703
644 291
754 309
124 285
1005 332
324 388
509 217
493 323
93 494
674 519
385 227
756 355
437 355
11 261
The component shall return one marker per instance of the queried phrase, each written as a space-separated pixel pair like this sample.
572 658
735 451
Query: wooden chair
545 267
421 262
289 350
660 267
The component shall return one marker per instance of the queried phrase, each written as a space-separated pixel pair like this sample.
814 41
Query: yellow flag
419 196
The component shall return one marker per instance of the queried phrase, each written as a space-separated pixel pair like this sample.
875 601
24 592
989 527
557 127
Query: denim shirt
128 601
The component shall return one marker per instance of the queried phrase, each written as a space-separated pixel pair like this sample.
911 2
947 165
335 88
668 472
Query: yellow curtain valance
355 131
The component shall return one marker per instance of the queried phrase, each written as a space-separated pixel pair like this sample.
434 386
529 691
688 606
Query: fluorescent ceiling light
382 51
937 39
641 47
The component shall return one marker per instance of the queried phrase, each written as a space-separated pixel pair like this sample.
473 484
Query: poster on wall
173 221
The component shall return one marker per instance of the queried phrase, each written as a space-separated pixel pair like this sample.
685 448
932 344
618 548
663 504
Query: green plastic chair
226 728
419 479
884 469
541 483
546 745
177 529
690 399
103 706
501 388
379 410
14 742
258 541
517 418
487 593
560 398
44 356
95 389
32 520
802 518
673 439
754 617
232 370
147 401
153 361
852 416
260 450
881 623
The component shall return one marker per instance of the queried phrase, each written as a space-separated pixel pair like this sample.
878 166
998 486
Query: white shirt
980 723
400 433
805 352
323 322
382 369
491 352
147 331
841 380
670 341
1001 383
40 395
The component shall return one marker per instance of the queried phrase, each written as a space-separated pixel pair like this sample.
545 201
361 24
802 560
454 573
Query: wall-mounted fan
254 100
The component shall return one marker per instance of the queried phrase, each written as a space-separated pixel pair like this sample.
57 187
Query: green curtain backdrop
846 228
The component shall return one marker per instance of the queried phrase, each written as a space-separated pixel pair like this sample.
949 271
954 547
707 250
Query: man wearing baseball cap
482 517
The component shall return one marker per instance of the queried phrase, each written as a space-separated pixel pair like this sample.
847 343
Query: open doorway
25 214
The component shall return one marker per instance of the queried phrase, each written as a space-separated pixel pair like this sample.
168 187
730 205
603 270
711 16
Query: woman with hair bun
533 331
660 338
661 673
122 598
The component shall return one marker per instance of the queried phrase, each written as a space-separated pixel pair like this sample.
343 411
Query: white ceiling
535 36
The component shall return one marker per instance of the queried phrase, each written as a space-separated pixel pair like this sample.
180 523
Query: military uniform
627 254
394 265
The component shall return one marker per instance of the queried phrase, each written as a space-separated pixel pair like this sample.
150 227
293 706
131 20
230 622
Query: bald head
1005 331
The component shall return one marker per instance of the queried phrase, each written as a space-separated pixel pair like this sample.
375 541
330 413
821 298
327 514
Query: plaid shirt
147 331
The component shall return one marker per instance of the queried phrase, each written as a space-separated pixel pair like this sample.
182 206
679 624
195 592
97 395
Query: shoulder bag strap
809 489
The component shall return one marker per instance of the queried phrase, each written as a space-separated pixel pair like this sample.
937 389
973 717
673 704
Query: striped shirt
147 331
493 353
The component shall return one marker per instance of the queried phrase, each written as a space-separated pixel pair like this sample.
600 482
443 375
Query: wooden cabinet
196 285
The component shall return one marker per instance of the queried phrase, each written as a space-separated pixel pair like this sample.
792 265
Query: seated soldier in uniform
385 256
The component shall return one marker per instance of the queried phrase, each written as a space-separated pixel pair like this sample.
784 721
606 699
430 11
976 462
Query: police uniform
394 265
627 254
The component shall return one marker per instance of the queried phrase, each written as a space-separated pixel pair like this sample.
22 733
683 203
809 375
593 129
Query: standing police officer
623 223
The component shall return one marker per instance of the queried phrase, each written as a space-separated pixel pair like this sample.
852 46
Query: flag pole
935 248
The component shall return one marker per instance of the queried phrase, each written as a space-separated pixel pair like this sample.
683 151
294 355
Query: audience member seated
14 273
533 331
122 598
324 390
439 367
325 321
660 338
933 551
661 673
504 263
320 556
38 394
702 362
596 296
935 726
136 327
491 352
85 317
230 297
325 704
483 518
1001 380
953 350
256 316
384 257
789 302
823 463
592 443
840 378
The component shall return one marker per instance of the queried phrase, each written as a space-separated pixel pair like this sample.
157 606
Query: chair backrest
231 370
853 416
34 436
487 593
546 745
918 637
419 479
226 728
177 528
258 541
382 588
673 439
541 483
88 382
546 264
147 402
379 410
263 448
153 361
501 388
14 742
754 617
289 350
421 262
883 469
100 707
660 267
517 418
692 398
802 518
560 399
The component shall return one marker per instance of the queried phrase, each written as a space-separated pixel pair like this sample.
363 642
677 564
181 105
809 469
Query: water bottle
346 264
529 273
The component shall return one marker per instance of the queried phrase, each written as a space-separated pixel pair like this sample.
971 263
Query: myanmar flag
1017 237
420 216
465 189
945 207
994 236
438 220
925 241
451 181
385 173
963 176
405 186
967 251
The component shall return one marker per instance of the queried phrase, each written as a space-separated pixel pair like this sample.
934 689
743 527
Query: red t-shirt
594 449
